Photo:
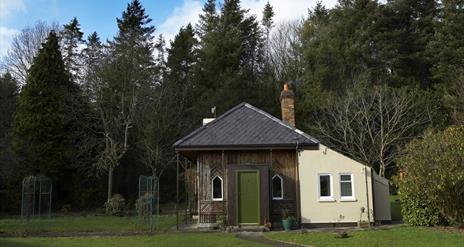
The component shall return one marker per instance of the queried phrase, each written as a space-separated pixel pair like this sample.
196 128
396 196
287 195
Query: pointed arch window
217 186
277 187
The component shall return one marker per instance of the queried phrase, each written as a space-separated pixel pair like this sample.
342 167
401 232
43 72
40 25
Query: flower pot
287 224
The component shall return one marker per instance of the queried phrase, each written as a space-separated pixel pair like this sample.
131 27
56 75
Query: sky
100 15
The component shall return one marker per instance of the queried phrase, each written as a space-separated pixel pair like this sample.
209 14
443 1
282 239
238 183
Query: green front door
248 197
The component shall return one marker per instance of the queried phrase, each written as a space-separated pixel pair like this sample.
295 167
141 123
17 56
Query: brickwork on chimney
287 102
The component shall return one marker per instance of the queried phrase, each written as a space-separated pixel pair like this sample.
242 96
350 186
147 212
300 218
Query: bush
142 205
433 183
116 205
66 209
417 211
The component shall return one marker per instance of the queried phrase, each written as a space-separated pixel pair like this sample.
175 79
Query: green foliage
116 205
71 38
43 124
434 178
138 96
8 96
230 59
446 49
268 14
417 210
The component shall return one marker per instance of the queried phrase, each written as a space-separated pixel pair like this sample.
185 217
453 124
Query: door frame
258 175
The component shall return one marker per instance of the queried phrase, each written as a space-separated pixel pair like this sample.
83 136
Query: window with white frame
277 187
325 187
217 187
346 186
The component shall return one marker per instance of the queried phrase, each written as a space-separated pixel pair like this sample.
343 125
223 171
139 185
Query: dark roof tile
245 126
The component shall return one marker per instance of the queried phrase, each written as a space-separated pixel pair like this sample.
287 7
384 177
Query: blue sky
94 15
100 15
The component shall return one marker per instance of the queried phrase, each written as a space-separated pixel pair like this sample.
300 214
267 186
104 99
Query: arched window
277 187
217 187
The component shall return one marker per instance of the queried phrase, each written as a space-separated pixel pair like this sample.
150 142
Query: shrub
116 205
66 209
142 205
433 183
417 211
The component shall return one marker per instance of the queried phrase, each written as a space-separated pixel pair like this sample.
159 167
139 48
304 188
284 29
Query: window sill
277 198
348 200
218 200
326 200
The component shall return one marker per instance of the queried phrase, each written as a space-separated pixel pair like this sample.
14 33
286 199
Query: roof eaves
246 146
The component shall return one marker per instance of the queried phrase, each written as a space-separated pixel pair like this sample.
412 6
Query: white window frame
325 198
347 198
212 189
281 187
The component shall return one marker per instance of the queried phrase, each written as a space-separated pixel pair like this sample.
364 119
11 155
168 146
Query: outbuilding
251 167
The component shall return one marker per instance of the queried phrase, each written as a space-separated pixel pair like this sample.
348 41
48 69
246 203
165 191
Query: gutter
367 196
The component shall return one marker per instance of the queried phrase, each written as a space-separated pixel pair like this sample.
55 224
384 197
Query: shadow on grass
12 243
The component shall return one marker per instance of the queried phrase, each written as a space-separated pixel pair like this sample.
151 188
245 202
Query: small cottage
252 167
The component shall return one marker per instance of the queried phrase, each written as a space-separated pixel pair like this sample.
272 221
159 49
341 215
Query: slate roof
245 126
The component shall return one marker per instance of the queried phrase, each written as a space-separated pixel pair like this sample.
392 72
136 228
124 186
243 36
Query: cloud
6 35
285 10
7 7
181 16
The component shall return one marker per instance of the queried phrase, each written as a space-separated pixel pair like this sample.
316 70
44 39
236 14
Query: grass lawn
83 224
400 236
178 239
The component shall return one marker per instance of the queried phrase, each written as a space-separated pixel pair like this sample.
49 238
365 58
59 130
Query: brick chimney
287 103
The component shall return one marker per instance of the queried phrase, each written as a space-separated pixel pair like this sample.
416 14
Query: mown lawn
400 236
174 240
83 224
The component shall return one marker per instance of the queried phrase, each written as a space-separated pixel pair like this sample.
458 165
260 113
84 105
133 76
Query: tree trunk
382 169
110 184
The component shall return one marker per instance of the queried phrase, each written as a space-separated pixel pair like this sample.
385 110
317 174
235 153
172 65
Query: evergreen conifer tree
208 19
230 59
44 121
71 36
92 56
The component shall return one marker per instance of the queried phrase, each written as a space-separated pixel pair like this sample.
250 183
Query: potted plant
220 221
287 220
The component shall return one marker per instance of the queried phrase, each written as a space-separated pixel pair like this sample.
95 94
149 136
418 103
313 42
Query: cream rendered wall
325 160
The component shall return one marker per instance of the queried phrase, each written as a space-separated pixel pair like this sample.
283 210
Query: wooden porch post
271 172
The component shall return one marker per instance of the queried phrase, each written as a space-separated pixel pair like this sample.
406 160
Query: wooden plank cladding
227 163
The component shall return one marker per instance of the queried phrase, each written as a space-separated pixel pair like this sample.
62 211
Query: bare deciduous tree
116 110
371 124
285 53
24 47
